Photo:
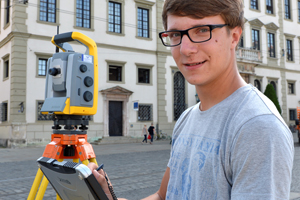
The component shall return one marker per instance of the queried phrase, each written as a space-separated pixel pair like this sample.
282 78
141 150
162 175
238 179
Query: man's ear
236 34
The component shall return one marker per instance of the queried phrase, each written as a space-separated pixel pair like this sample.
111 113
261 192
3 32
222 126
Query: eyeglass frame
186 32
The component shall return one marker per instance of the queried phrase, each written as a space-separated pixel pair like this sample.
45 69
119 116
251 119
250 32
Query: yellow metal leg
76 160
42 189
35 185
94 160
85 162
58 197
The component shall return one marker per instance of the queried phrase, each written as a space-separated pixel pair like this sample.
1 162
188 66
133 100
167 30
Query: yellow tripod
62 146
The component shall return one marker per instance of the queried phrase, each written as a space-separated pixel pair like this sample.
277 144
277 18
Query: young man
234 144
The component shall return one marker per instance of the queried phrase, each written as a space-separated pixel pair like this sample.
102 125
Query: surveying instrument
71 96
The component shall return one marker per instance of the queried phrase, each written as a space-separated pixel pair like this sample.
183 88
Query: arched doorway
179 95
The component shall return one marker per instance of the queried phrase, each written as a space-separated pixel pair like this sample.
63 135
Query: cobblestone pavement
135 170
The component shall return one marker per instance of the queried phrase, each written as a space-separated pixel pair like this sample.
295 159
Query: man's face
207 62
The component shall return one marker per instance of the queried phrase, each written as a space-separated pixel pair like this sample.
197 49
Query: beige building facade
134 67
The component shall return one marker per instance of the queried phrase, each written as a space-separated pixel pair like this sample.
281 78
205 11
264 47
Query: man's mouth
193 64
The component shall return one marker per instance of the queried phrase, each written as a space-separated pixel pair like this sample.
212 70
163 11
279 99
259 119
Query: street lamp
197 98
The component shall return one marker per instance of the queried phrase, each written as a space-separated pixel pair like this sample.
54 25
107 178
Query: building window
144 75
42 68
254 4
241 43
287 7
289 50
298 11
255 39
293 114
269 4
143 22
83 13
115 73
274 85
179 95
7 14
145 113
114 17
6 69
291 88
40 116
4 112
48 10
257 84
271 45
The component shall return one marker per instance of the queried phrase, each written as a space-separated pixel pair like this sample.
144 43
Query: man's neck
215 92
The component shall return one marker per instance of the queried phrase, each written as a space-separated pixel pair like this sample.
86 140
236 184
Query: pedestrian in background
151 131
145 133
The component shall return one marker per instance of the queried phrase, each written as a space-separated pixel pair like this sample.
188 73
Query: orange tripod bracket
60 142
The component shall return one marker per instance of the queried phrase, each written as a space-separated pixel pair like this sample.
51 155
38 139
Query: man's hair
230 10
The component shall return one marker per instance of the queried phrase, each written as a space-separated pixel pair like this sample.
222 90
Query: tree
271 94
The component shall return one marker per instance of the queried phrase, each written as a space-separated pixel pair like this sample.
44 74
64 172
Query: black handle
64 37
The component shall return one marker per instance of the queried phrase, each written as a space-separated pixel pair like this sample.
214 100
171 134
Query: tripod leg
35 185
76 160
42 189
94 160
85 162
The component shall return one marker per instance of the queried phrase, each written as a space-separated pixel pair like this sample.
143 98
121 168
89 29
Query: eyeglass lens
197 34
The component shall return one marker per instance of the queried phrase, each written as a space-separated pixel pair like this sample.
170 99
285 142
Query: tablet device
71 181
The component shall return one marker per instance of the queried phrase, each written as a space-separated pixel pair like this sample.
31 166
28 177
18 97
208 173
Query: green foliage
271 94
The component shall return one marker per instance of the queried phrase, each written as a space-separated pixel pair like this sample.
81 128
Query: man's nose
187 47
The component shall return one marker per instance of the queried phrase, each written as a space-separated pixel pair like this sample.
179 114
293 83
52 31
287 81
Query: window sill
5 79
290 61
83 28
114 33
6 26
48 23
145 84
255 10
116 82
269 14
143 38
39 76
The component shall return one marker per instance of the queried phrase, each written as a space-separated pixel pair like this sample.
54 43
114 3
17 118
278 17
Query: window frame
141 28
6 67
293 83
144 66
41 56
295 114
37 112
151 113
144 5
47 11
56 23
252 38
257 8
259 81
173 97
298 11
287 10
274 44
116 63
7 12
114 16
6 114
289 47
82 15
270 8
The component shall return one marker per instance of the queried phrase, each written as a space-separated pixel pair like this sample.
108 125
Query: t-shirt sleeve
261 160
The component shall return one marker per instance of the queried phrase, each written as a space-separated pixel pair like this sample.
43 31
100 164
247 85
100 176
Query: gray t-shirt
239 149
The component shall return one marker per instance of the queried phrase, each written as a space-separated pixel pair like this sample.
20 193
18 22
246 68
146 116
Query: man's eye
203 30
174 35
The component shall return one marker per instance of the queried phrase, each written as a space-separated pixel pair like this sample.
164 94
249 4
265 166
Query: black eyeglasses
196 34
